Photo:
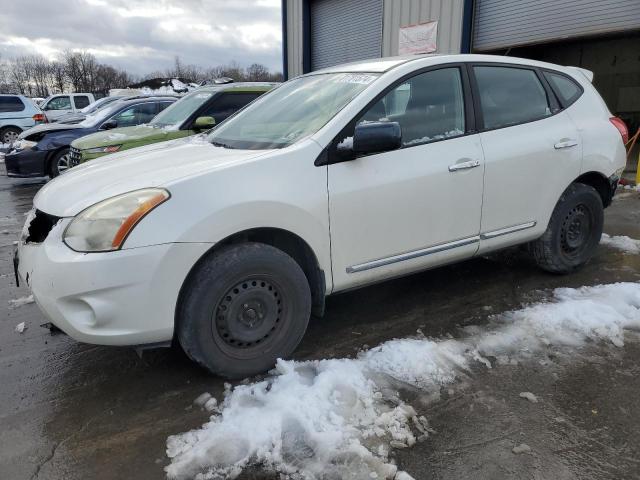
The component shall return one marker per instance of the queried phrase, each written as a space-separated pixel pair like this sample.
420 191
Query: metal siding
401 13
344 31
508 23
294 37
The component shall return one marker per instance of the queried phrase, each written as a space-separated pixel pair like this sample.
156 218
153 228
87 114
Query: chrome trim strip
506 230
413 254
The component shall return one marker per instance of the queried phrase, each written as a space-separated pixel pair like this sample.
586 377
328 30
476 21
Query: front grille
40 226
74 156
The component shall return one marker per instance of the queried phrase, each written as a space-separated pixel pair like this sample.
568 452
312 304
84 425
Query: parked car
336 179
77 117
17 113
193 113
56 106
44 150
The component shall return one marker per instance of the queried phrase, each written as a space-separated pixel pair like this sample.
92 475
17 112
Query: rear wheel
60 163
573 233
9 135
243 308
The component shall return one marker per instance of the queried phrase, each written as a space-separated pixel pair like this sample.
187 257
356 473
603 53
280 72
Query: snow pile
342 418
624 243
18 302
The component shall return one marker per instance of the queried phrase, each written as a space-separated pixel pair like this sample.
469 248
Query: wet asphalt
75 411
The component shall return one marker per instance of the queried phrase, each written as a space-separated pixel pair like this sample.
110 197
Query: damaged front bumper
126 297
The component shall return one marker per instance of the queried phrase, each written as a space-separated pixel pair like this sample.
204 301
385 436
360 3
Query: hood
71 118
40 130
122 136
158 164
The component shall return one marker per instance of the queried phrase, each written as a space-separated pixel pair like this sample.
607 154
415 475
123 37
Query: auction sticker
361 78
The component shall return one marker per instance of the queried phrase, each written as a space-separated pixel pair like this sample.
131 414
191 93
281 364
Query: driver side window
428 107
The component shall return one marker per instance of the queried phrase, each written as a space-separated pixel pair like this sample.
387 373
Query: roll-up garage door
344 31
508 23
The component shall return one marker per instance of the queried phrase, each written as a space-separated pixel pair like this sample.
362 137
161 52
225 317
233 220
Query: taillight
622 128
40 117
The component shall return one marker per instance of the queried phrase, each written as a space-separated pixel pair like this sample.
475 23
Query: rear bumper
26 163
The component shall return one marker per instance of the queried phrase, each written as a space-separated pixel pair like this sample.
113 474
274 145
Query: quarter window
510 96
566 89
11 104
428 107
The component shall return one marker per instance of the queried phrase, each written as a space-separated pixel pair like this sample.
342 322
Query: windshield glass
92 107
177 113
100 115
297 109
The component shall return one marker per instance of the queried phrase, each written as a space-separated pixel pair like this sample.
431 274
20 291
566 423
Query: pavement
74 411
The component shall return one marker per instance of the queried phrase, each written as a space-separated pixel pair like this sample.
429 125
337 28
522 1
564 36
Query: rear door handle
464 165
565 144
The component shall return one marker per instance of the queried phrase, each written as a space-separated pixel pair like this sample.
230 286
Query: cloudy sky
145 35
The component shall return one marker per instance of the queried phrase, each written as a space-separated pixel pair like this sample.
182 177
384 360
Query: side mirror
109 124
204 123
377 137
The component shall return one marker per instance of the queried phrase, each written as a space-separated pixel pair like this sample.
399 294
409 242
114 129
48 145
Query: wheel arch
600 183
285 240
51 155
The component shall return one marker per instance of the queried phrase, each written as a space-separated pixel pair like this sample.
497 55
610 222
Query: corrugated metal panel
508 23
344 31
294 36
402 13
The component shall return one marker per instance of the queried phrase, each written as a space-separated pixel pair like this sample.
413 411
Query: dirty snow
621 242
342 418
522 448
529 396
20 327
18 302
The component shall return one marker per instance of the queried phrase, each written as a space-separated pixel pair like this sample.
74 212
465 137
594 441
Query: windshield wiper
223 145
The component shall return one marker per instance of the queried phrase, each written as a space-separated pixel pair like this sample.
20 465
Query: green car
198 111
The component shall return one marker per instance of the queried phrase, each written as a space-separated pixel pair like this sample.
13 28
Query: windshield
297 109
100 115
92 107
177 113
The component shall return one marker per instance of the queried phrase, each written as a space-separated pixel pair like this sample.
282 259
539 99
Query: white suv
337 179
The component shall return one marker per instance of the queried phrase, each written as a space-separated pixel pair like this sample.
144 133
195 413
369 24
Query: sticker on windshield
356 78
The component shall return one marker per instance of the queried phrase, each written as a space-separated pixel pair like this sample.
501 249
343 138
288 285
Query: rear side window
566 89
226 104
81 101
11 104
510 96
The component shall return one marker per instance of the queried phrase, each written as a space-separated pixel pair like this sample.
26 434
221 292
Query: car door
417 206
532 152
57 106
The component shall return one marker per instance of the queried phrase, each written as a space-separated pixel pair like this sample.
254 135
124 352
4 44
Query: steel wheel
10 135
248 316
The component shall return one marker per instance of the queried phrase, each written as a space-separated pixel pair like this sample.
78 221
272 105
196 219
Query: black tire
573 233
242 308
9 134
55 168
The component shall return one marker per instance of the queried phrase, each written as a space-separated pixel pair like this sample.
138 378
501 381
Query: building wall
396 14
401 13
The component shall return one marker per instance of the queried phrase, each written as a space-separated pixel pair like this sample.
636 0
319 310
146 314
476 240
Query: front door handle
565 144
464 165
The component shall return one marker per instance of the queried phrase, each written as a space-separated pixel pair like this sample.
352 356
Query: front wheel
60 163
242 308
573 233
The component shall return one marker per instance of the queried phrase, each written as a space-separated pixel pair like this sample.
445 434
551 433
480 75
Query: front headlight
107 149
24 144
103 227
